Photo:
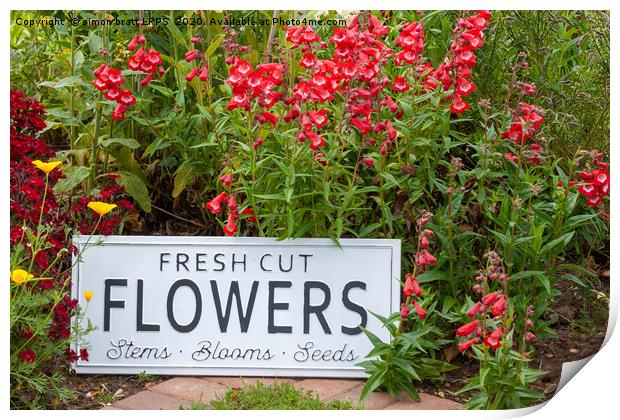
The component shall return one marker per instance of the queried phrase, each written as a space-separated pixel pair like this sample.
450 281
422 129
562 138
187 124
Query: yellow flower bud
88 295
101 208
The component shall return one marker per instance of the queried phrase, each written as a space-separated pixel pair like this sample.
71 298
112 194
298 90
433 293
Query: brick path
180 391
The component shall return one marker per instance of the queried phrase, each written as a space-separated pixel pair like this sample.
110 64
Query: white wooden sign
234 306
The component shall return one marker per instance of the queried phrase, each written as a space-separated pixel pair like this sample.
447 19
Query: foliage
277 397
44 340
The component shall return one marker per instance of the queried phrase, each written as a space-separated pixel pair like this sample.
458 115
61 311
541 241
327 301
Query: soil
93 392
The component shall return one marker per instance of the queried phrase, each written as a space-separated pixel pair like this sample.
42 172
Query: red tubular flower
84 355
231 227
250 213
193 73
459 105
119 112
27 355
467 329
400 85
417 290
490 298
493 340
514 159
146 80
132 44
408 289
404 311
316 141
226 179
430 259
467 344
474 310
191 55
215 205
204 73
499 307
232 206
421 312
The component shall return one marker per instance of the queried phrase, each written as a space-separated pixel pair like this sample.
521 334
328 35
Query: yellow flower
88 295
19 276
101 208
46 167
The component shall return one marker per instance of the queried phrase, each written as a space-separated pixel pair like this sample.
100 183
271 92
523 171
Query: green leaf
131 143
65 82
376 341
74 175
562 239
213 46
136 188
372 383
182 177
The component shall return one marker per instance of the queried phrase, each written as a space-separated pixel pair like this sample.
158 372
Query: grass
277 397
145 377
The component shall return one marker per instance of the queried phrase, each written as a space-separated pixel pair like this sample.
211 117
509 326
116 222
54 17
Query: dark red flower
28 356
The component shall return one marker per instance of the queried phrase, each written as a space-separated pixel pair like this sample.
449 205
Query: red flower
430 259
467 344
490 298
316 141
368 162
193 73
204 73
71 355
421 312
514 159
474 310
119 112
493 340
458 105
250 213
28 356
400 85
191 55
499 307
408 289
231 227
215 205
146 80
467 329
226 179
404 311
84 355
132 44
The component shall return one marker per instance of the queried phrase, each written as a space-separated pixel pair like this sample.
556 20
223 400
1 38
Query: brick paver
148 400
192 389
327 389
427 402
180 391
375 401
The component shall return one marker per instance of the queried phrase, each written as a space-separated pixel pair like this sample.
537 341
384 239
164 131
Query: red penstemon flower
412 290
455 71
594 182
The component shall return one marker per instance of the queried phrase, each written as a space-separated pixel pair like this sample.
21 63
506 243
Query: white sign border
79 241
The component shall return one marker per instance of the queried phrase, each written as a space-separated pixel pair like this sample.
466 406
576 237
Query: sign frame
394 245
